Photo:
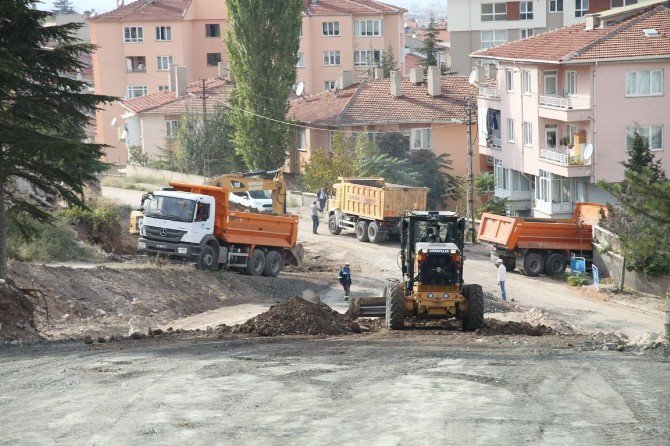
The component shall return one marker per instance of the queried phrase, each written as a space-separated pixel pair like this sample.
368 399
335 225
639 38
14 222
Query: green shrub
578 279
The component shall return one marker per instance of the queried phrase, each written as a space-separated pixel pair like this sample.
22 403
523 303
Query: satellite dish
119 3
113 123
588 151
472 79
300 89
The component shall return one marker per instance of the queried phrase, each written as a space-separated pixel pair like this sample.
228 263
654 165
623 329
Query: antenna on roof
119 3
300 89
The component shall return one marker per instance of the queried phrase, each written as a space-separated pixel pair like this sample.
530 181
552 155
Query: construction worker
314 212
345 280
502 277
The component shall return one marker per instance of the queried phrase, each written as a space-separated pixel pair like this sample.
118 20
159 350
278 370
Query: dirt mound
496 327
16 316
296 316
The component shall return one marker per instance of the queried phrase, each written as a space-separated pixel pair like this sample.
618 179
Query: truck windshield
171 208
434 232
260 194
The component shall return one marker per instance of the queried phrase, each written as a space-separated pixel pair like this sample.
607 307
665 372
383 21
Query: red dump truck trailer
540 245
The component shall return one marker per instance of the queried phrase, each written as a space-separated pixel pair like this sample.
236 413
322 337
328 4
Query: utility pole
205 149
471 176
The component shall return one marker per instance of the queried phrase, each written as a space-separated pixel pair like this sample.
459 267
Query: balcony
554 209
489 93
564 157
566 109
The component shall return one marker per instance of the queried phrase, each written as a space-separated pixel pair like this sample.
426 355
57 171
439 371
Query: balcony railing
489 93
574 102
563 159
493 142
554 208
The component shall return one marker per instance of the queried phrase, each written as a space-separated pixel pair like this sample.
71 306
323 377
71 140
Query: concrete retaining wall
167 175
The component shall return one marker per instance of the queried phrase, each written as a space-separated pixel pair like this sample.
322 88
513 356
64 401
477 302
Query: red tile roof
349 7
372 103
165 102
575 43
141 10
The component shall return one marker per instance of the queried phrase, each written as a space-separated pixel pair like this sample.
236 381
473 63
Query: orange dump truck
195 223
540 245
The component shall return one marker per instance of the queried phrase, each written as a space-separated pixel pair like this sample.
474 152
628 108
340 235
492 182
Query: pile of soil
296 316
16 315
496 327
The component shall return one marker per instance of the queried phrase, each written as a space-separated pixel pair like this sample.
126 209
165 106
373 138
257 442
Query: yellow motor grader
432 267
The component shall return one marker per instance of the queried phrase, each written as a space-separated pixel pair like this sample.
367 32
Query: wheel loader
431 259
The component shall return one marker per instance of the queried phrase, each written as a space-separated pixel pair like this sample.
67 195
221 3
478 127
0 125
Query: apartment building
561 112
481 24
138 42
347 35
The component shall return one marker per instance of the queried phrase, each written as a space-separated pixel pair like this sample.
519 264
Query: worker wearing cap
502 276
345 280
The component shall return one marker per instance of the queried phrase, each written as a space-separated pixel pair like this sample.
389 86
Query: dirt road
409 388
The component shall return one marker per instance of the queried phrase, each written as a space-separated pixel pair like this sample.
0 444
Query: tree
324 168
206 149
263 41
63 7
642 221
388 62
431 48
434 174
42 114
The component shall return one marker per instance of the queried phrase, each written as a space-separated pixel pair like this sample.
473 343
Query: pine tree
431 48
263 41
42 114
388 62
63 7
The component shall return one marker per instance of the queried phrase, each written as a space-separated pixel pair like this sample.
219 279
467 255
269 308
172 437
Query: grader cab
432 267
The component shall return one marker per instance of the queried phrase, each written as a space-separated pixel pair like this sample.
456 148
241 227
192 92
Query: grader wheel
474 319
395 305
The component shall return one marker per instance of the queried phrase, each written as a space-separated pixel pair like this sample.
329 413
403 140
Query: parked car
261 200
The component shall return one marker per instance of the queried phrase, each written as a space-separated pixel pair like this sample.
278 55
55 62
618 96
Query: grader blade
367 307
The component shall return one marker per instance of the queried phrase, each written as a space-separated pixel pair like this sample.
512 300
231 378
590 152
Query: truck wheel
255 263
475 317
374 235
362 231
510 264
395 306
332 225
207 260
554 264
533 264
273 264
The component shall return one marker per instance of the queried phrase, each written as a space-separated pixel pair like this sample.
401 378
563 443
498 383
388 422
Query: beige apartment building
480 24
138 41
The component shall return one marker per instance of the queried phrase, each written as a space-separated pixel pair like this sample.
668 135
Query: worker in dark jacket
345 280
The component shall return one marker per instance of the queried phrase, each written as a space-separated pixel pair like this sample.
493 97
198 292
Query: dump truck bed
377 200
248 228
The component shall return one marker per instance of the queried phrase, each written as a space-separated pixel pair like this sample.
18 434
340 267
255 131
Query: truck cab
176 223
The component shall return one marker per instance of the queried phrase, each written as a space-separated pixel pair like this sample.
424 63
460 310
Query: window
213 59
136 92
509 79
164 62
367 58
523 33
500 175
526 10
510 130
571 130
331 28
619 3
519 181
528 133
644 83
493 12
302 139
163 88
133 34
212 30
543 186
420 139
171 128
493 37
367 28
525 82
331 58
550 83
136 64
329 85
570 83
581 8
163 33
301 60
555 5
653 134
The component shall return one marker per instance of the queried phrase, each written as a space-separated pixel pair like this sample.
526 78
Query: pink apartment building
559 116
138 42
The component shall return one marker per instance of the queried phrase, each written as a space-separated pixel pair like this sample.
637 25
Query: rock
609 346
157 332
355 327
621 348
110 338
101 312
88 340
653 336
137 335
101 340
311 296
